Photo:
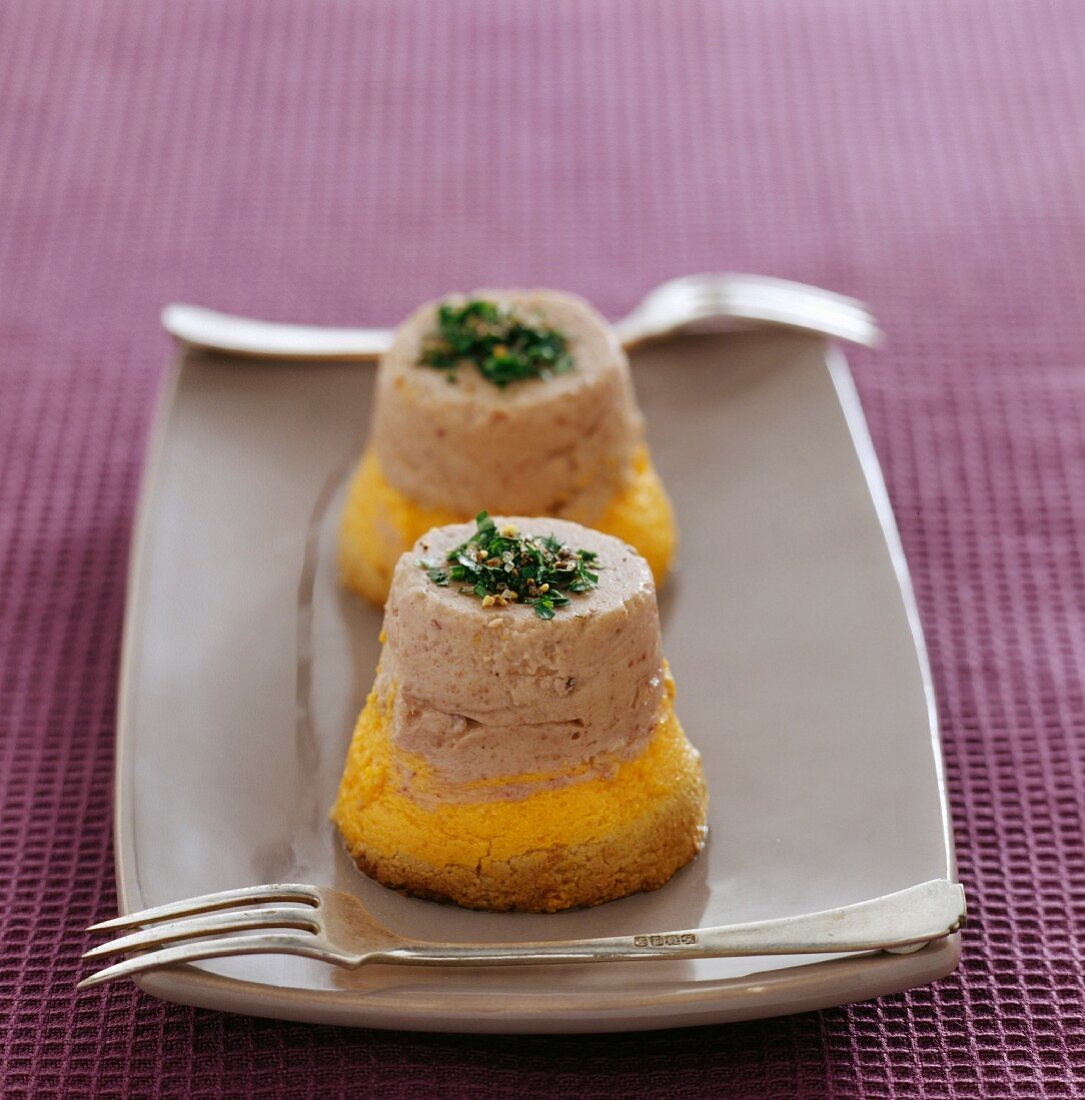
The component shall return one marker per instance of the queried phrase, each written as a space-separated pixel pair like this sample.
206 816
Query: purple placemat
340 161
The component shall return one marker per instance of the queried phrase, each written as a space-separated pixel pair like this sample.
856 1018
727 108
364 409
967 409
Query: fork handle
900 922
214 331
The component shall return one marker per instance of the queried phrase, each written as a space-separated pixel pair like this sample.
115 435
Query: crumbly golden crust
639 859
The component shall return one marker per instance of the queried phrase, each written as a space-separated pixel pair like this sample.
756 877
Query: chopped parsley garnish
504 345
500 566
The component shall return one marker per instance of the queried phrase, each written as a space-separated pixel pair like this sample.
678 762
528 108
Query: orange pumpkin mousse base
380 523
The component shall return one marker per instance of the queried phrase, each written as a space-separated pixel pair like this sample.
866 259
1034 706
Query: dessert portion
516 401
519 749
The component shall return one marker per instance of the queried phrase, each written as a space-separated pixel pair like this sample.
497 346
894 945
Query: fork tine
282 943
277 891
190 928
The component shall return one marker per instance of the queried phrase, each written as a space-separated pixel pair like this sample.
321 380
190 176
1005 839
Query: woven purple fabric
338 161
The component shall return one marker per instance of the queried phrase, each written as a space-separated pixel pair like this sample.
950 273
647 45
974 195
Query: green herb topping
500 566
505 346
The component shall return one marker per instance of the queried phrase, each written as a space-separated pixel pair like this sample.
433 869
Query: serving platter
789 625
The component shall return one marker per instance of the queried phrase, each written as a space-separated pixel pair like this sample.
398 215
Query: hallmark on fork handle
664 941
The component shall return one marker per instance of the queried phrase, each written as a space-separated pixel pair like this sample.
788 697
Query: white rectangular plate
790 628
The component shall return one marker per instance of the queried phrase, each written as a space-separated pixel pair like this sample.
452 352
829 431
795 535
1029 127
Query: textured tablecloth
340 161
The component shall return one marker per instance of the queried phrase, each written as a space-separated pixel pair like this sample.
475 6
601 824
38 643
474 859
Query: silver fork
323 924
701 302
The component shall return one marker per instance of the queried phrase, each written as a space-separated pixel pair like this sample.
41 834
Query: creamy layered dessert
520 749
515 401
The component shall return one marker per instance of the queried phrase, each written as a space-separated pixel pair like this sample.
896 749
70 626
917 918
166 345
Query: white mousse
558 446
488 692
